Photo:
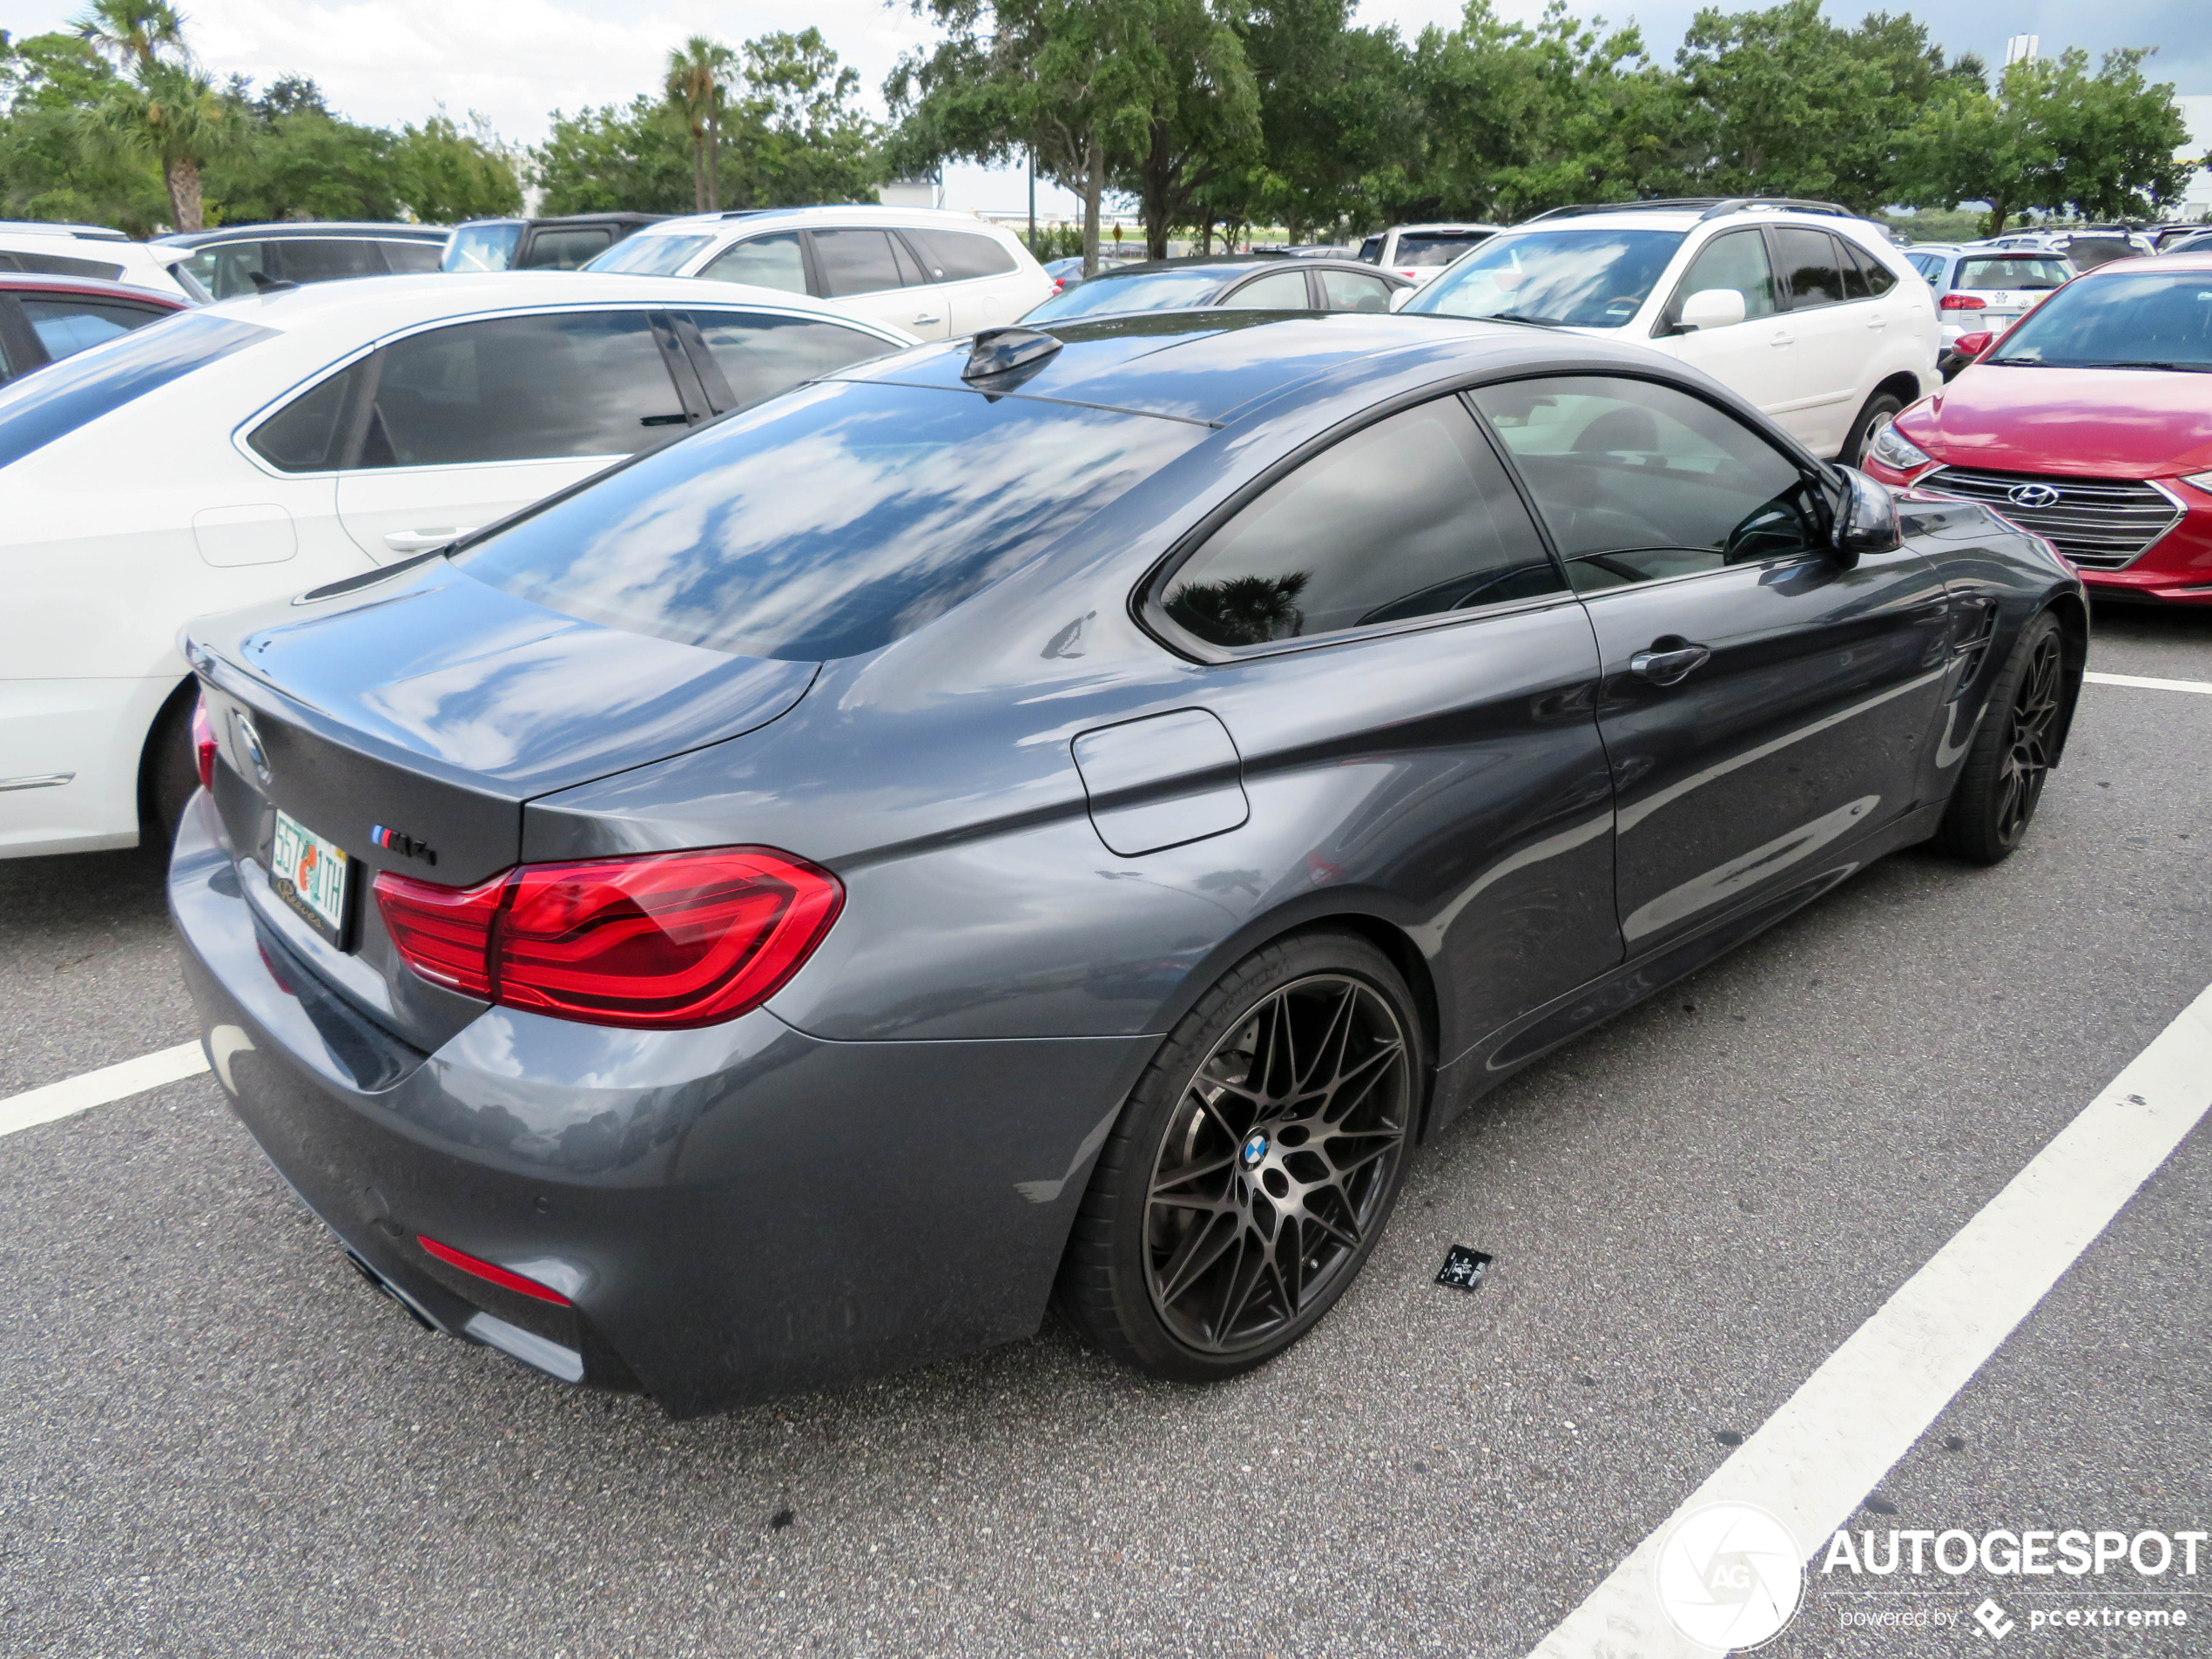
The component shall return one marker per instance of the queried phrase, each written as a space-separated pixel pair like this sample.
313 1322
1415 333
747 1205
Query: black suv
563 243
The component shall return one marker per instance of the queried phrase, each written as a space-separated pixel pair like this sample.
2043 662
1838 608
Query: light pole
1033 201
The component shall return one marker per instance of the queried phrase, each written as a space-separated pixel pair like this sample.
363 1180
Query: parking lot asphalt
214 1439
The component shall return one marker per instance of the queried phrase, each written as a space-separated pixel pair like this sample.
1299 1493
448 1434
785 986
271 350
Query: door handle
1668 660
922 319
1780 341
423 541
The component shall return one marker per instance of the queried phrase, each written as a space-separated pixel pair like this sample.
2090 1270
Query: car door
1763 705
975 276
1828 354
875 273
462 424
1408 682
1755 359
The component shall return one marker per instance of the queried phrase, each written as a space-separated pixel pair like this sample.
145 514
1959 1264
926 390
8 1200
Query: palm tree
699 75
173 114
167 109
136 33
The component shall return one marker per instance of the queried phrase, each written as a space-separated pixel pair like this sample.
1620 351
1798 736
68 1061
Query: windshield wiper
1522 316
2186 369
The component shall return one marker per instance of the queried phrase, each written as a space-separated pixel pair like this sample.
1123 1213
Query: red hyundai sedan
2089 422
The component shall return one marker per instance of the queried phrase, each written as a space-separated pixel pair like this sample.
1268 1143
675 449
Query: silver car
1979 288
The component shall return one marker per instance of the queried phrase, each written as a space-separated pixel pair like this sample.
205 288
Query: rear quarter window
955 256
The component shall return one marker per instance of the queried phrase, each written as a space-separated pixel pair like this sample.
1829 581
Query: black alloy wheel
2011 755
1254 1166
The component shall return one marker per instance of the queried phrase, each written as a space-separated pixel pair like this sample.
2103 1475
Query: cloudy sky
392 61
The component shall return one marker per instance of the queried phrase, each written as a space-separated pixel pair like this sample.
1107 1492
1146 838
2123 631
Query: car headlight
1892 448
2202 480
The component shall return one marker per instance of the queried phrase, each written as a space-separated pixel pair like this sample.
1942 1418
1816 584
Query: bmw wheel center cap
1254 1149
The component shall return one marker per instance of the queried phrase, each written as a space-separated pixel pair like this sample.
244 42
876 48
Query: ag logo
1729 1576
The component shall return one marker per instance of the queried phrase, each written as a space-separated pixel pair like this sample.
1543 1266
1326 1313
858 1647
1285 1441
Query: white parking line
1816 1459
98 1088
2143 685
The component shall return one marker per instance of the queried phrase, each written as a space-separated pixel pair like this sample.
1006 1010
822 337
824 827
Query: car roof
376 305
1207 365
1233 264
305 227
751 217
94 287
1446 224
62 227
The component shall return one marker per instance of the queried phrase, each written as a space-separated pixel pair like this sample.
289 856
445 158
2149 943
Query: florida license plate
312 875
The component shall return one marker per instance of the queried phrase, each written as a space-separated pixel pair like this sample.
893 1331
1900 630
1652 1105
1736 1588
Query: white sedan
274 443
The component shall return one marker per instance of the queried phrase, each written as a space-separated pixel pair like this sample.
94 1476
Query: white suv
1801 308
1419 251
95 250
934 273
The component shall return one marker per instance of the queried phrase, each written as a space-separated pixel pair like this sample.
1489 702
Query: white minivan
1802 308
932 273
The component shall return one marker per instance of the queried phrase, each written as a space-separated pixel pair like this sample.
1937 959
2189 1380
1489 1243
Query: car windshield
2014 271
486 247
650 255
1596 278
2141 319
38 408
828 521
1153 291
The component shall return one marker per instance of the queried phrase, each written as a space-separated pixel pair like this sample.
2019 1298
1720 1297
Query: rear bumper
735 1211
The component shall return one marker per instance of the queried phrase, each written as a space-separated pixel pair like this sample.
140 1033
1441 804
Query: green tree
698 81
635 156
1524 117
2054 137
1069 83
166 108
51 166
294 158
796 132
444 173
1783 103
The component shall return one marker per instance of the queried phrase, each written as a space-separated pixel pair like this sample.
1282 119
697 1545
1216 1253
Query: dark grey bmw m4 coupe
1057 816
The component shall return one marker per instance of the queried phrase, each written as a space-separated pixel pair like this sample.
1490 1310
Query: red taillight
203 744
1962 302
671 939
444 932
491 1272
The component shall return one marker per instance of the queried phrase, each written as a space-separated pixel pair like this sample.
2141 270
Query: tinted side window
565 250
61 265
68 326
1637 482
761 355
1808 260
316 260
855 261
227 269
1413 517
765 262
955 255
1282 290
1879 278
1737 260
41 407
309 433
521 388
1348 291
412 256
1852 269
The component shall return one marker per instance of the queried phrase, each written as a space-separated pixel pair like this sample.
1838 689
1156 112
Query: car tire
1881 407
169 772
2006 765
1255 1165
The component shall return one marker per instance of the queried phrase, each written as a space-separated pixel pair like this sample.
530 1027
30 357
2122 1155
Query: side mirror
1399 296
1868 522
1972 346
1711 308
